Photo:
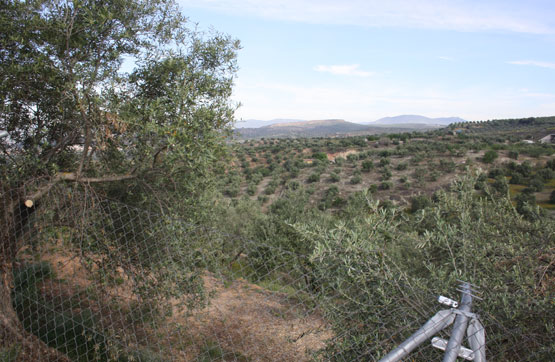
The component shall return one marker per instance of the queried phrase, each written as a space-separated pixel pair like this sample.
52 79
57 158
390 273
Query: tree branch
74 177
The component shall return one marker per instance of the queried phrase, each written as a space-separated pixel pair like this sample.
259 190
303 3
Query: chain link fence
98 280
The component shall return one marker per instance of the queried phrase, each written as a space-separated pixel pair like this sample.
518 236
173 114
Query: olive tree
103 92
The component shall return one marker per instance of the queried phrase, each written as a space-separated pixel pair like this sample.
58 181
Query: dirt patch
242 322
343 154
249 322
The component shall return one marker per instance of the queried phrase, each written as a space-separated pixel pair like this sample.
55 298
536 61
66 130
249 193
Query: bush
386 174
251 190
315 177
384 162
536 184
526 206
513 155
495 172
367 165
356 179
420 202
385 185
500 185
353 157
517 179
320 156
375 268
546 174
489 156
334 177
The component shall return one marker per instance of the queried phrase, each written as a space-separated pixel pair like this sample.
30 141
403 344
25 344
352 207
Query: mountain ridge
418 119
325 128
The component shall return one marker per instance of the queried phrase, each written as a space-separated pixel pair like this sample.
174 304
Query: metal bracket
464 313
464 352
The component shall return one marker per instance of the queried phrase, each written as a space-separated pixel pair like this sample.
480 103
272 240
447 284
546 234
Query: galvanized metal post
438 322
459 327
477 339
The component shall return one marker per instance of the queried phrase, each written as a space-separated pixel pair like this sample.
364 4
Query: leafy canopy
72 103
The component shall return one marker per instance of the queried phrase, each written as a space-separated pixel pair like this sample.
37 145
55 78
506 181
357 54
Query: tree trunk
15 342
25 346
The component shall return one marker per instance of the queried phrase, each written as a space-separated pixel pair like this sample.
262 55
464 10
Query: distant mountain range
324 128
256 123
416 119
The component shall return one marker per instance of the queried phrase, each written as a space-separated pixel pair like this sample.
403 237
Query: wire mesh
98 280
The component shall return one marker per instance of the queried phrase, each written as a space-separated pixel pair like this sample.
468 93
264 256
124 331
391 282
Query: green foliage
490 156
536 184
367 165
251 190
371 265
420 202
356 180
384 162
334 177
500 185
10 354
320 156
71 332
353 157
386 185
63 87
314 177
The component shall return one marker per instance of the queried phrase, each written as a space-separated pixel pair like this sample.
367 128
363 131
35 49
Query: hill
257 123
417 119
323 128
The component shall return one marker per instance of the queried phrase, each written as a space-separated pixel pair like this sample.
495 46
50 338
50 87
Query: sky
360 60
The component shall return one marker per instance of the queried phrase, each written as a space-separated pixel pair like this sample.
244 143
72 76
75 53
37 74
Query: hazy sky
360 60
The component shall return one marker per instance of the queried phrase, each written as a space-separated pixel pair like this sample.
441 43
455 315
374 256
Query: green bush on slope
382 271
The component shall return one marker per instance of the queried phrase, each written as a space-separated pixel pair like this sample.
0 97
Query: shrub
546 174
353 157
495 172
536 184
320 156
378 269
367 165
420 202
500 185
315 177
526 206
489 156
334 177
385 185
513 155
517 179
251 190
384 162
356 179
386 174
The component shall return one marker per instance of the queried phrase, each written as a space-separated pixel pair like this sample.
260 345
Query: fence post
459 328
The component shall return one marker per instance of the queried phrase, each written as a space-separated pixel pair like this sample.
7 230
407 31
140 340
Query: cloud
534 63
531 16
448 59
351 70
